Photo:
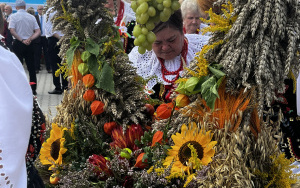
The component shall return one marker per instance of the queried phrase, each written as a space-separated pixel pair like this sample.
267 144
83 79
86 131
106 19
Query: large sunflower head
189 143
53 149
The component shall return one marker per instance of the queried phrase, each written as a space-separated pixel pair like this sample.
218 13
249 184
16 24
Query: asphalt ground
48 102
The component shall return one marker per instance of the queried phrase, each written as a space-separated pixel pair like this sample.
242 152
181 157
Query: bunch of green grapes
149 12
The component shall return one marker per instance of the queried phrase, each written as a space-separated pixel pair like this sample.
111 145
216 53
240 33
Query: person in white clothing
16 104
53 37
24 29
170 53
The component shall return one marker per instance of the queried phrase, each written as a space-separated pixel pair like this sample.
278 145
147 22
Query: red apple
149 109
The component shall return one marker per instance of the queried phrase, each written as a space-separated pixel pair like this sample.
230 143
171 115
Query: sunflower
53 149
190 143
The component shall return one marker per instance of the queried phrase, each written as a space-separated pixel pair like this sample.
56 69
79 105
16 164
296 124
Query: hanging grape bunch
149 12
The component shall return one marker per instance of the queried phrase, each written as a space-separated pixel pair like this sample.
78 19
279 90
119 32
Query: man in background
53 37
24 29
43 44
9 38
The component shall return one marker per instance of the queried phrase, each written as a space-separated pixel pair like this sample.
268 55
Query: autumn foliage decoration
127 140
229 109
100 168
75 73
140 163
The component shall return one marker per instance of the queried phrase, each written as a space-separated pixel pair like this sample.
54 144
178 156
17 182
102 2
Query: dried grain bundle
261 46
78 18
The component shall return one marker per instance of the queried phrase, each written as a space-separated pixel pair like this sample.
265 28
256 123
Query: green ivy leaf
106 80
92 47
85 55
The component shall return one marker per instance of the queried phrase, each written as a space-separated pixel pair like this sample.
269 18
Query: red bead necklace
165 72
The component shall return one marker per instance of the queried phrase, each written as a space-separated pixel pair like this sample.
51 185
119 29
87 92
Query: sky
29 3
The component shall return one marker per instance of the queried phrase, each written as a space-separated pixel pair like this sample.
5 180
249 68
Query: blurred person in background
53 37
42 47
24 28
8 38
191 14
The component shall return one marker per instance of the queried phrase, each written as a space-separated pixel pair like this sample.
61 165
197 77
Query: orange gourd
97 107
164 111
89 95
88 80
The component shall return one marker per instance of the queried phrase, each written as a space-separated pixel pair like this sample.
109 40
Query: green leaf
94 69
191 83
197 88
211 101
92 47
208 84
181 88
70 52
214 90
119 44
220 81
216 72
73 39
85 55
107 79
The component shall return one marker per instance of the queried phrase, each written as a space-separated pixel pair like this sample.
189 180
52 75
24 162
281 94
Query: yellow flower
180 154
53 149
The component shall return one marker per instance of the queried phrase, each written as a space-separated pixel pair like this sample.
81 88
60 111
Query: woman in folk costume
170 53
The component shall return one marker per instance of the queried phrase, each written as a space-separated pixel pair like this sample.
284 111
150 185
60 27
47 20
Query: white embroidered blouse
16 105
148 65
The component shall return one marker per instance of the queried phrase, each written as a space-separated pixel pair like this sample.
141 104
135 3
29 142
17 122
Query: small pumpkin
157 137
139 161
89 95
97 107
54 179
182 100
164 110
88 80
109 126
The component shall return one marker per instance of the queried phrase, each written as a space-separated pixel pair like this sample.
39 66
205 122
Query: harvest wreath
211 135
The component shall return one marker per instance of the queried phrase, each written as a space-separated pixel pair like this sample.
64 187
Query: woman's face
168 43
191 22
